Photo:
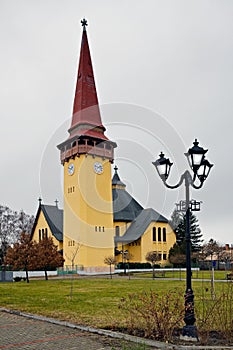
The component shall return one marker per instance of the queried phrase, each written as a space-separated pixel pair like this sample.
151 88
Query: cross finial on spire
56 202
39 200
116 168
84 23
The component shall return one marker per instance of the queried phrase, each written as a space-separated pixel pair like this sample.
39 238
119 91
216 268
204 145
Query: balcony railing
87 149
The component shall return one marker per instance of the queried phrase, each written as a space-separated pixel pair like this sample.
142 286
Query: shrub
17 278
153 315
133 265
216 314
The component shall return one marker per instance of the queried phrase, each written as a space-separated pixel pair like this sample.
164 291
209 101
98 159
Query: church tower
86 155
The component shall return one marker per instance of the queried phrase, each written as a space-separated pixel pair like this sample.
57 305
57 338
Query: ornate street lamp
201 168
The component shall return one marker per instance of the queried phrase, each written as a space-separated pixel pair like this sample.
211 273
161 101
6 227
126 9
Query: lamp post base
189 333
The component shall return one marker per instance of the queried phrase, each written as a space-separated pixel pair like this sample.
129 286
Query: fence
6 276
70 270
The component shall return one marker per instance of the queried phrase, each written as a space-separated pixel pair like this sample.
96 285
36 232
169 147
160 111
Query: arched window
164 234
154 234
159 234
42 233
39 235
117 231
46 233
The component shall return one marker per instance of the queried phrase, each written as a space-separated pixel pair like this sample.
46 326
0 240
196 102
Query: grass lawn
95 301
218 275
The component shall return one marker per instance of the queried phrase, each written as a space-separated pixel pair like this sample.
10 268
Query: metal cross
84 23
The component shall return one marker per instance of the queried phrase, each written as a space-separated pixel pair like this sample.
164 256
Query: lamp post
201 168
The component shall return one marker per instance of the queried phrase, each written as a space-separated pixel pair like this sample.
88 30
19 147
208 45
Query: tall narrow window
46 233
159 234
42 233
39 235
117 231
164 256
154 234
164 234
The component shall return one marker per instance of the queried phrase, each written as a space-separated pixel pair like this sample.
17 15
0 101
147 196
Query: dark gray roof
125 207
54 218
116 180
140 224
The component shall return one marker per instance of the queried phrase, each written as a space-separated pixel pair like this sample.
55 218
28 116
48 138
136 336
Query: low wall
33 273
157 270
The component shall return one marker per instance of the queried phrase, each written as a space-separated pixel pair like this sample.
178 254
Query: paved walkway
21 332
17 332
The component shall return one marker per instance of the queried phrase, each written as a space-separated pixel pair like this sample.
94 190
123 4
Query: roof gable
54 217
140 224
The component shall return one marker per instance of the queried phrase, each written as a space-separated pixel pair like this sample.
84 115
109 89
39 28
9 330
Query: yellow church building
100 218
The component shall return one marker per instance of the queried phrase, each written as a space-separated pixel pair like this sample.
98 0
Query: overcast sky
164 75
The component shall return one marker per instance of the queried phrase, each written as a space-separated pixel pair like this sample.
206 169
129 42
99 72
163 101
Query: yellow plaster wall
88 216
147 243
42 224
123 226
138 249
134 249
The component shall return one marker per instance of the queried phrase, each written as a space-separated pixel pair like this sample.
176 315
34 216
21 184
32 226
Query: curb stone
116 335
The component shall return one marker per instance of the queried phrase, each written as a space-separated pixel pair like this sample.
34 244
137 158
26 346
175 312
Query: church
100 218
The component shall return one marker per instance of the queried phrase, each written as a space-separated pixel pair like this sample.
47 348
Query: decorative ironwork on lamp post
193 205
201 168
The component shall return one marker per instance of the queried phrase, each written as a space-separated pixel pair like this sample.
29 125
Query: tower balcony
102 150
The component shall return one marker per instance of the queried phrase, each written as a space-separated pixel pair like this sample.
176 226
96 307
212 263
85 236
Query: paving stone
17 332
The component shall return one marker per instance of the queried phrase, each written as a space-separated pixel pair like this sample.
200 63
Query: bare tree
110 260
71 257
152 257
225 256
128 256
73 253
212 248
8 230
178 259
25 222
12 224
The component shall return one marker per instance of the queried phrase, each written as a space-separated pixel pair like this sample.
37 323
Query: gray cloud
171 57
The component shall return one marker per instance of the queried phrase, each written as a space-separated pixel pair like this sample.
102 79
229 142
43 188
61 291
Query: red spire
86 131
86 119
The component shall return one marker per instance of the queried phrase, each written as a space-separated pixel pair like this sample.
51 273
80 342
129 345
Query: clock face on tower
98 168
71 169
